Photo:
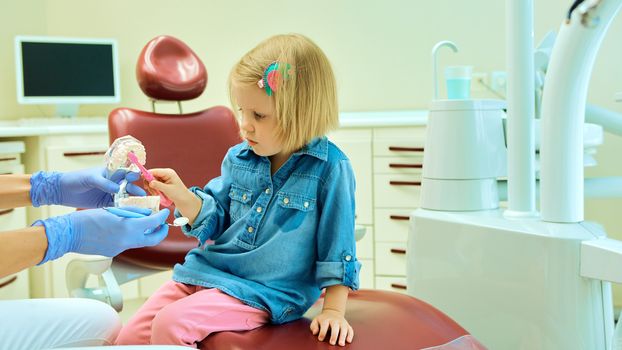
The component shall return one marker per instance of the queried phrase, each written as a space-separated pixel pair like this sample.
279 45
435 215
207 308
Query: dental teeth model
116 158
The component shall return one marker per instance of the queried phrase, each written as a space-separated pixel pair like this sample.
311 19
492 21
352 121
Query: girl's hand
168 182
339 327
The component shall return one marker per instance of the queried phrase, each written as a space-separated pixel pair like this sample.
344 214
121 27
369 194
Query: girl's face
258 121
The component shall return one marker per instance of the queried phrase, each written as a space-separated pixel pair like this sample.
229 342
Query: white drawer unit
392 224
396 191
400 142
390 259
394 284
398 166
15 286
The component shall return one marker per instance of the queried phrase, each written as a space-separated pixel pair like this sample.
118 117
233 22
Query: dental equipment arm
563 109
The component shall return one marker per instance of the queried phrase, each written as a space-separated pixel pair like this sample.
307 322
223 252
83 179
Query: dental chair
194 145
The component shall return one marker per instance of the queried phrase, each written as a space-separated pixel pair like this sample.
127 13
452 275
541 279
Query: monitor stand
67 110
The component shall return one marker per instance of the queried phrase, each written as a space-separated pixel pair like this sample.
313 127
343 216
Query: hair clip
272 75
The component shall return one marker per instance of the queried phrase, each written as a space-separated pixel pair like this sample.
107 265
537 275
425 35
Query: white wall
380 49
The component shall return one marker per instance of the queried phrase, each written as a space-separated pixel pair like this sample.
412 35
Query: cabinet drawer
391 258
399 141
7 169
67 158
15 286
8 160
366 278
394 284
10 153
396 191
12 219
399 165
392 224
365 247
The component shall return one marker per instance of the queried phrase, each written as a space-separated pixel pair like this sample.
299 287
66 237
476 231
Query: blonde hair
306 99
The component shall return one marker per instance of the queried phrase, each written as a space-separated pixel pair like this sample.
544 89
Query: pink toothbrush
149 177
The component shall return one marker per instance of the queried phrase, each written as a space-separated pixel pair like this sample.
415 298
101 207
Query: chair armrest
108 291
359 232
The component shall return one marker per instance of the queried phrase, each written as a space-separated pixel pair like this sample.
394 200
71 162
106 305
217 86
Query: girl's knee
168 328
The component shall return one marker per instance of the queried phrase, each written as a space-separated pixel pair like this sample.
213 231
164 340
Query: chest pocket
296 201
241 201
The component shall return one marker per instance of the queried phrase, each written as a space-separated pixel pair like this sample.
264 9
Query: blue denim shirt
277 240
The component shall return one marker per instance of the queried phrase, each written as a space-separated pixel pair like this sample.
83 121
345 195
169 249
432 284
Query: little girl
281 215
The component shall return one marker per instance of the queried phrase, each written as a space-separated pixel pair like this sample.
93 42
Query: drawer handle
405 149
5 212
398 251
9 281
397 165
399 217
398 286
7 159
81 154
405 183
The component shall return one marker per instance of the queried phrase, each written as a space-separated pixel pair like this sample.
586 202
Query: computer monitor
66 72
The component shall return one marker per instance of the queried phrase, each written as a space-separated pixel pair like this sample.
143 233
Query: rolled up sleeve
337 262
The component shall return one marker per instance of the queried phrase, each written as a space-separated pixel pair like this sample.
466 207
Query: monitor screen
72 71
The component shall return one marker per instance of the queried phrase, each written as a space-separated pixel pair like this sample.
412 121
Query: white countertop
383 118
90 125
618 97
52 126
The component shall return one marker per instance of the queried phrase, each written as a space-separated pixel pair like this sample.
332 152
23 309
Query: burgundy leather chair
194 144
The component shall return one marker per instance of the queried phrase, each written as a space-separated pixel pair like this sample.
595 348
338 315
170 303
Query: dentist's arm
14 191
20 249
80 189
94 231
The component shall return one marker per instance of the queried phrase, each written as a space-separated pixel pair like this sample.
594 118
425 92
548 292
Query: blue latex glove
100 232
87 188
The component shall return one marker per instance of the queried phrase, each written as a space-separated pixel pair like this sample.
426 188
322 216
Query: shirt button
259 209
348 257
267 191
244 196
306 204
285 200
250 229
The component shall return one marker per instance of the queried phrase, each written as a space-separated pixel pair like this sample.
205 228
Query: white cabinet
16 286
398 163
387 163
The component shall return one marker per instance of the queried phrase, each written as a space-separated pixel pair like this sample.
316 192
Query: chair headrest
167 69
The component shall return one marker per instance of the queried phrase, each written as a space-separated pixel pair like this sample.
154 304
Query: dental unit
521 278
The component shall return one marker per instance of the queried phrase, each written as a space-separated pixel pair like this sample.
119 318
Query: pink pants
181 314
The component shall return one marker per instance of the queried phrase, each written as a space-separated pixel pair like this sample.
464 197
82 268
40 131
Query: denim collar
317 148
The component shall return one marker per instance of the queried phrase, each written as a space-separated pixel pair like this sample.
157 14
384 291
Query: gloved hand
99 232
87 188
